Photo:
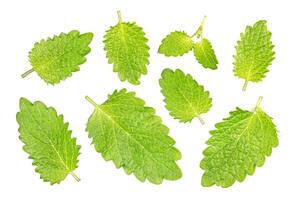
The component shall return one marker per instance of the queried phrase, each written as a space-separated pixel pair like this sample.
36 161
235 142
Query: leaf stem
245 85
201 120
199 31
258 102
27 73
119 16
75 176
91 101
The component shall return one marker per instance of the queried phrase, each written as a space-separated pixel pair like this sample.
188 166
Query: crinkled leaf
254 53
184 97
176 44
133 137
238 145
205 54
56 58
47 140
126 48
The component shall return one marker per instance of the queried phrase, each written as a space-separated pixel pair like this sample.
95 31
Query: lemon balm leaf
238 145
127 132
205 54
126 48
184 97
57 58
254 53
176 44
48 141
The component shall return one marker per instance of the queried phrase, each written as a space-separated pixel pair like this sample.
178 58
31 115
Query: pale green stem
199 31
27 73
245 85
91 101
201 120
258 102
75 176
119 16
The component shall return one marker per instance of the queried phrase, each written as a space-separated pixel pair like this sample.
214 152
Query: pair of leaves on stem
178 43
122 129
57 58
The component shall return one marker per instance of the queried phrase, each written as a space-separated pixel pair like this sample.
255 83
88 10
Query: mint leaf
176 44
238 145
126 48
254 53
48 141
184 97
127 132
56 58
205 54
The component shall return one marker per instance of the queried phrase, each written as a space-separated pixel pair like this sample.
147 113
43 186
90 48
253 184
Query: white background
25 22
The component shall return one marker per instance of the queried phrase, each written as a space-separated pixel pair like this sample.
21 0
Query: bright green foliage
56 58
205 54
126 48
133 137
238 145
254 53
48 141
176 44
184 97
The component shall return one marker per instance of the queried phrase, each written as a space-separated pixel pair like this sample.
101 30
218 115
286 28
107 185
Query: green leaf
56 58
176 44
254 53
126 48
48 141
184 97
205 54
127 132
238 145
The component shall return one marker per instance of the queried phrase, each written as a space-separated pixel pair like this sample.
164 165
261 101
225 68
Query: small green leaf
205 54
127 132
56 58
126 48
184 97
254 53
48 141
176 44
238 145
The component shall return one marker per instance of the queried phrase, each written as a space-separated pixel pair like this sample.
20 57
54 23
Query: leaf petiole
258 102
245 85
75 176
27 73
91 101
119 16
199 31
201 120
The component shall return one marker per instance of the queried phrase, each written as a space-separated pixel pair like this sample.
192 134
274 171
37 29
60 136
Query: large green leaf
127 132
126 48
184 97
48 141
238 145
57 58
254 53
